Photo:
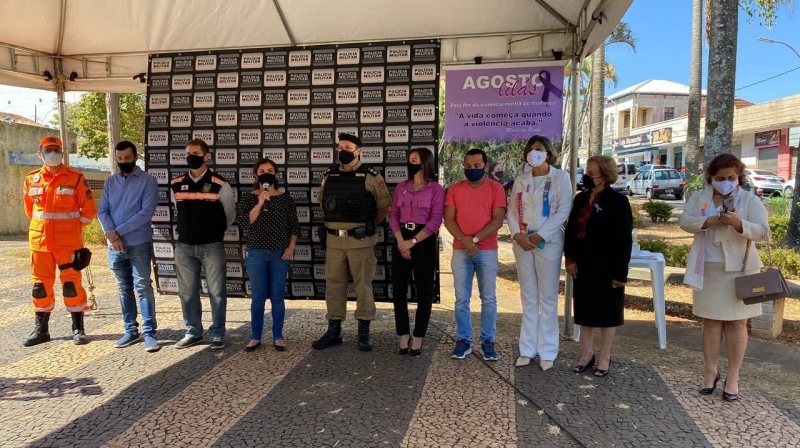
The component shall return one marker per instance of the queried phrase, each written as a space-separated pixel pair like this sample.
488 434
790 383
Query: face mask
536 158
195 161
413 169
475 174
52 158
499 174
588 181
346 157
126 167
527 168
725 187
266 179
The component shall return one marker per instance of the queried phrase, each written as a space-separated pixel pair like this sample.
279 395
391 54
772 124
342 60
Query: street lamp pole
770 41
793 232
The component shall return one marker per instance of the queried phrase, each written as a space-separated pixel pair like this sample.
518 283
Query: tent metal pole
62 120
573 169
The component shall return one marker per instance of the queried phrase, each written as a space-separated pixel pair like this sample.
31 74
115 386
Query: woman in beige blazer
723 218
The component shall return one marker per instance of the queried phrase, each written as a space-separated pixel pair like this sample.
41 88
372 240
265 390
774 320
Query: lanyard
545 203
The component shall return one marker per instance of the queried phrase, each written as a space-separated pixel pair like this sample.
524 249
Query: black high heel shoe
404 351
601 373
279 348
710 390
412 352
726 396
252 348
580 369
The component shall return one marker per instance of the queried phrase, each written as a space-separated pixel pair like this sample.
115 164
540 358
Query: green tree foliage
87 119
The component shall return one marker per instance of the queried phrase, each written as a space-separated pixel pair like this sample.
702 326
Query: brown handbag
764 286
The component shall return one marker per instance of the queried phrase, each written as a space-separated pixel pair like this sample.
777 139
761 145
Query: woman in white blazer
723 218
541 200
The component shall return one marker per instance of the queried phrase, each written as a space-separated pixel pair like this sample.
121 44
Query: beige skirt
717 300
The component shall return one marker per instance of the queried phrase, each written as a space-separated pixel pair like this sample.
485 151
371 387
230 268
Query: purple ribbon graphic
544 76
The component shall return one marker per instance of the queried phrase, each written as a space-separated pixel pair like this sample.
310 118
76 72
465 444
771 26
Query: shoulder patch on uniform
218 180
34 171
178 179
374 172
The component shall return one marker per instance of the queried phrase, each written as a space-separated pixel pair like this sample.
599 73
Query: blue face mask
474 175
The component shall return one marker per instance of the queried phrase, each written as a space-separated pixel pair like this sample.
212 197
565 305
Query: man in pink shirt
474 211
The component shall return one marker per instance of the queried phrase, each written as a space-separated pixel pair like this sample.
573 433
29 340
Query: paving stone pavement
59 394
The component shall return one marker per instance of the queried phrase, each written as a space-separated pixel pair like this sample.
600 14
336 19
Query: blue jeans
464 268
188 259
267 273
132 270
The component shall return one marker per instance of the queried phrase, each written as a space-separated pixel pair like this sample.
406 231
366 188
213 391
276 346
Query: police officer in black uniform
354 199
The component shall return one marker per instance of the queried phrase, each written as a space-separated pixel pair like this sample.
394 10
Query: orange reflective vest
58 205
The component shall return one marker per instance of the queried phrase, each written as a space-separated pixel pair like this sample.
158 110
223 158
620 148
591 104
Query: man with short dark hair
129 200
206 206
473 213
354 201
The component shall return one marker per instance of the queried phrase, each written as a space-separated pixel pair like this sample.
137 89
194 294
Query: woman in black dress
597 249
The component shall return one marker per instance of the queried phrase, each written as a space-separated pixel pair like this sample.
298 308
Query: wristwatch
414 241
475 240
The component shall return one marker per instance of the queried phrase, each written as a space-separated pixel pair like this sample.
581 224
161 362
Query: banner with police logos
289 105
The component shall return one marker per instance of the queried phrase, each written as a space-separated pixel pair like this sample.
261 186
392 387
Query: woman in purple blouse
416 215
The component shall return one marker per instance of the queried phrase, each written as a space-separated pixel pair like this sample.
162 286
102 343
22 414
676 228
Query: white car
789 187
656 182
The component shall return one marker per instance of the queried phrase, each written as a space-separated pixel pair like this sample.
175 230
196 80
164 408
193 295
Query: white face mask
52 158
725 187
536 158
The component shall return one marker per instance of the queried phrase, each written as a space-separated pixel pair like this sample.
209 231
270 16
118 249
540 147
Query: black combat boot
363 336
41 332
78 333
331 337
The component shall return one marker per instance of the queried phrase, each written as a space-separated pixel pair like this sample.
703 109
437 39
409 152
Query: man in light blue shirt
126 208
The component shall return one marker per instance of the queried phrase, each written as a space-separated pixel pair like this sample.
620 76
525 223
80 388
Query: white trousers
539 271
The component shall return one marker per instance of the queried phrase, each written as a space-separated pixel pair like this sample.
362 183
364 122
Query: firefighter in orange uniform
59 204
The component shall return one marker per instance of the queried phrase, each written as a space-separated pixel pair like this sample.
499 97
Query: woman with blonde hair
541 200
598 250
726 222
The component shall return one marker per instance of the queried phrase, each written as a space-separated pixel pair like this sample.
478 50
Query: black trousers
423 265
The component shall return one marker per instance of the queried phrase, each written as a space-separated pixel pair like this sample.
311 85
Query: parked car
765 183
789 187
656 182
578 178
649 167
625 172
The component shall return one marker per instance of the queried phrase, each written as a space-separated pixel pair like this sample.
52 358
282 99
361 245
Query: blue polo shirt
128 204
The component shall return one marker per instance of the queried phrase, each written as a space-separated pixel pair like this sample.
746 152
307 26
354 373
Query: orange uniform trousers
43 271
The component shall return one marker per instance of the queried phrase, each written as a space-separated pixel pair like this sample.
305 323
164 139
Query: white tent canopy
107 42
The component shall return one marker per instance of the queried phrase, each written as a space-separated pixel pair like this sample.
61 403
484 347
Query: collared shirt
128 204
424 207
226 197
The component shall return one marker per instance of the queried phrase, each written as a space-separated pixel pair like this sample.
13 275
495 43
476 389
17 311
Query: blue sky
664 41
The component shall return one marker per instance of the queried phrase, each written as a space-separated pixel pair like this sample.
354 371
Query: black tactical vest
346 198
201 216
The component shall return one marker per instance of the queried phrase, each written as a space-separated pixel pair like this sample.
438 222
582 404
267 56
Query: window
631 168
646 175
626 120
669 113
621 168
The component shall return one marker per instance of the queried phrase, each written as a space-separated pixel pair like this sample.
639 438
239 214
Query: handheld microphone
265 186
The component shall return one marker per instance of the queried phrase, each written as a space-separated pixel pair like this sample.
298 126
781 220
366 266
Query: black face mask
346 157
413 169
588 181
126 167
498 174
195 161
266 178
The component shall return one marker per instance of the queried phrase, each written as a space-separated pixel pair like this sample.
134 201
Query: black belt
411 225
345 233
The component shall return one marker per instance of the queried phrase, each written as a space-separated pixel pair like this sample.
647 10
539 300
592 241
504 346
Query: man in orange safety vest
59 203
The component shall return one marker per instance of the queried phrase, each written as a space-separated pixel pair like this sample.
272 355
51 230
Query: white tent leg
62 120
573 168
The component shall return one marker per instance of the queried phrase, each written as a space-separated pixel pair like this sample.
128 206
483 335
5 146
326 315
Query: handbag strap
770 264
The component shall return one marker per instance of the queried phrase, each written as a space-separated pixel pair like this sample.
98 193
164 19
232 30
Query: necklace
418 188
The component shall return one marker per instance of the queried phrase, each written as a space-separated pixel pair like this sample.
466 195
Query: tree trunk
692 159
722 80
112 112
793 233
598 92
